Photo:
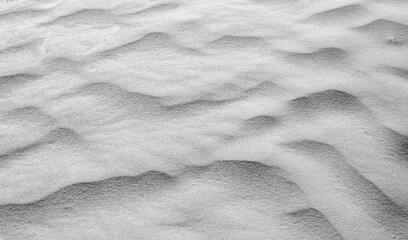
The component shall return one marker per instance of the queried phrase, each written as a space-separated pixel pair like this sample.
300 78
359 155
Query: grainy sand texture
203 119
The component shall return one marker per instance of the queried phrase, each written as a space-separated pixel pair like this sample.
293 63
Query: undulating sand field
203 119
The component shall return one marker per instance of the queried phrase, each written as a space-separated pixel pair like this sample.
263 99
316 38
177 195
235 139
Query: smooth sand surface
192 119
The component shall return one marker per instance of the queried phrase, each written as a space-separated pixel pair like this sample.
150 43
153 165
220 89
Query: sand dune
246 119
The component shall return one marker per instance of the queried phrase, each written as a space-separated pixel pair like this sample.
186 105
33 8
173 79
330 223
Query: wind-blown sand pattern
230 119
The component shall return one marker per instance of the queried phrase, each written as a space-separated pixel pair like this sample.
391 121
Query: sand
187 119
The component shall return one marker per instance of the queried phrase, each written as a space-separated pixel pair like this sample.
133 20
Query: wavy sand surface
187 119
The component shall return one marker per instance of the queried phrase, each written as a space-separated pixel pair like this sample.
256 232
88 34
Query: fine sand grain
188 119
